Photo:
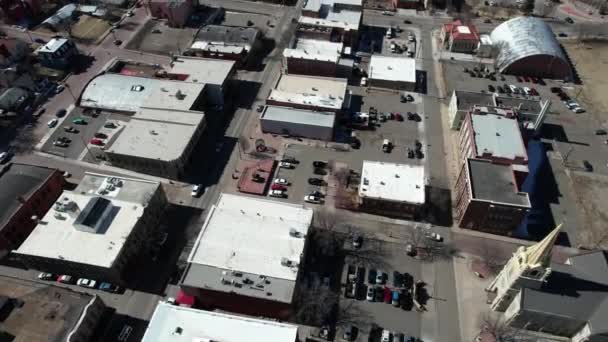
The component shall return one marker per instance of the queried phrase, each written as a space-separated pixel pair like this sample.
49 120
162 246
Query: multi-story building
228 270
493 137
99 231
57 53
488 197
176 12
406 4
38 312
181 324
550 301
298 122
392 72
26 192
335 21
316 58
389 189
12 50
239 44
310 93
459 37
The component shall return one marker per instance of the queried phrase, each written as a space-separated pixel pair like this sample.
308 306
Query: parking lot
370 260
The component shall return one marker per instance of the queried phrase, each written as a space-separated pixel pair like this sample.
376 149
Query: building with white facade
309 92
298 122
392 72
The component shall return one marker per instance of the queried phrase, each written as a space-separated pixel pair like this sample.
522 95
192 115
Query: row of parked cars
84 282
567 101
279 185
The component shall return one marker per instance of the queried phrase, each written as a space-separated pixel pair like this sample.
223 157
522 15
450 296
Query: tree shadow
81 63
438 209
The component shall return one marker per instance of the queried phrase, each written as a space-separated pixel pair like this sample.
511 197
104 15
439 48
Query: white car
196 190
578 110
52 123
370 294
281 181
312 199
59 88
46 276
3 157
527 91
386 336
86 283
434 237
277 193
363 81
380 277
286 165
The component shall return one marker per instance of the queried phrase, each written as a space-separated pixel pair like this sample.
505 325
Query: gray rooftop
468 99
118 92
498 136
227 34
19 180
49 313
131 190
578 292
495 183
299 116
523 105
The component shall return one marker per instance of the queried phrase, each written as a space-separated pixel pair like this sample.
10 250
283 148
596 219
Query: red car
398 117
275 186
387 295
96 142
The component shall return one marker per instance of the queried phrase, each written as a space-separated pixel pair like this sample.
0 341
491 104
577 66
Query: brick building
176 12
311 93
25 191
488 197
459 37
313 57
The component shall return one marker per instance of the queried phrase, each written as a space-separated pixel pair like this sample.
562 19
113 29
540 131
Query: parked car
286 165
100 135
70 129
410 250
434 237
96 142
108 287
556 90
46 276
59 143
386 293
519 79
363 82
409 98
388 13
130 13
500 89
281 181
278 187
312 199
84 282
65 279
79 121
578 110
318 163
278 193
386 336
587 166
371 276
196 190
357 241
370 294
397 279
569 20
380 277
600 132
109 125
40 41
350 333
52 123
316 181
379 293
5 157
64 139
387 146
395 298
398 117
527 91
59 88
291 160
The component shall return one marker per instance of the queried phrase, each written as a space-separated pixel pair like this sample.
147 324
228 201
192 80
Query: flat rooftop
19 180
495 183
498 136
348 20
227 250
118 92
176 96
312 5
467 99
131 190
159 140
309 90
398 69
53 45
393 182
60 235
49 313
298 116
205 326
233 35
522 105
315 50
202 70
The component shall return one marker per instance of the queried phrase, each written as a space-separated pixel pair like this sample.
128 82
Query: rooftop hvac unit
288 263
294 233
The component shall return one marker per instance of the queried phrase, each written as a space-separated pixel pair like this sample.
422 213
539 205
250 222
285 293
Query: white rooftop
349 20
299 116
252 235
219 47
56 237
315 50
312 5
174 96
400 69
309 90
203 70
206 326
498 136
463 29
53 45
346 2
485 39
393 182
158 140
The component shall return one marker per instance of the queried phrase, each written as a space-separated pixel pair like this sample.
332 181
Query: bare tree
493 327
491 261
429 249
316 305
341 176
326 219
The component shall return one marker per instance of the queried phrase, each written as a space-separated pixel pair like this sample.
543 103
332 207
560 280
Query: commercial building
97 231
553 301
57 53
530 113
488 197
12 50
160 137
316 58
459 37
298 122
176 12
226 42
316 8
227 268
311 93
19 12
392 189
334 21
38 312
392 72
486 48
14 105
181 324
406 4
26 192
492 137
528 47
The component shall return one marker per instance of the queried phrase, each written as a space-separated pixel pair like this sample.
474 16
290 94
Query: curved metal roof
524 37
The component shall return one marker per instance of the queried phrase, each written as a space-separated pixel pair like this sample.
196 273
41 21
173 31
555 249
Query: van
387 146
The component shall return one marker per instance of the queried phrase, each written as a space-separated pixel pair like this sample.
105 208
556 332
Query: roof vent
153 132
294 233
178 330
382 182
396 176
179 95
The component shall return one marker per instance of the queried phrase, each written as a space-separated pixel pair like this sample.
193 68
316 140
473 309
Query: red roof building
459 37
